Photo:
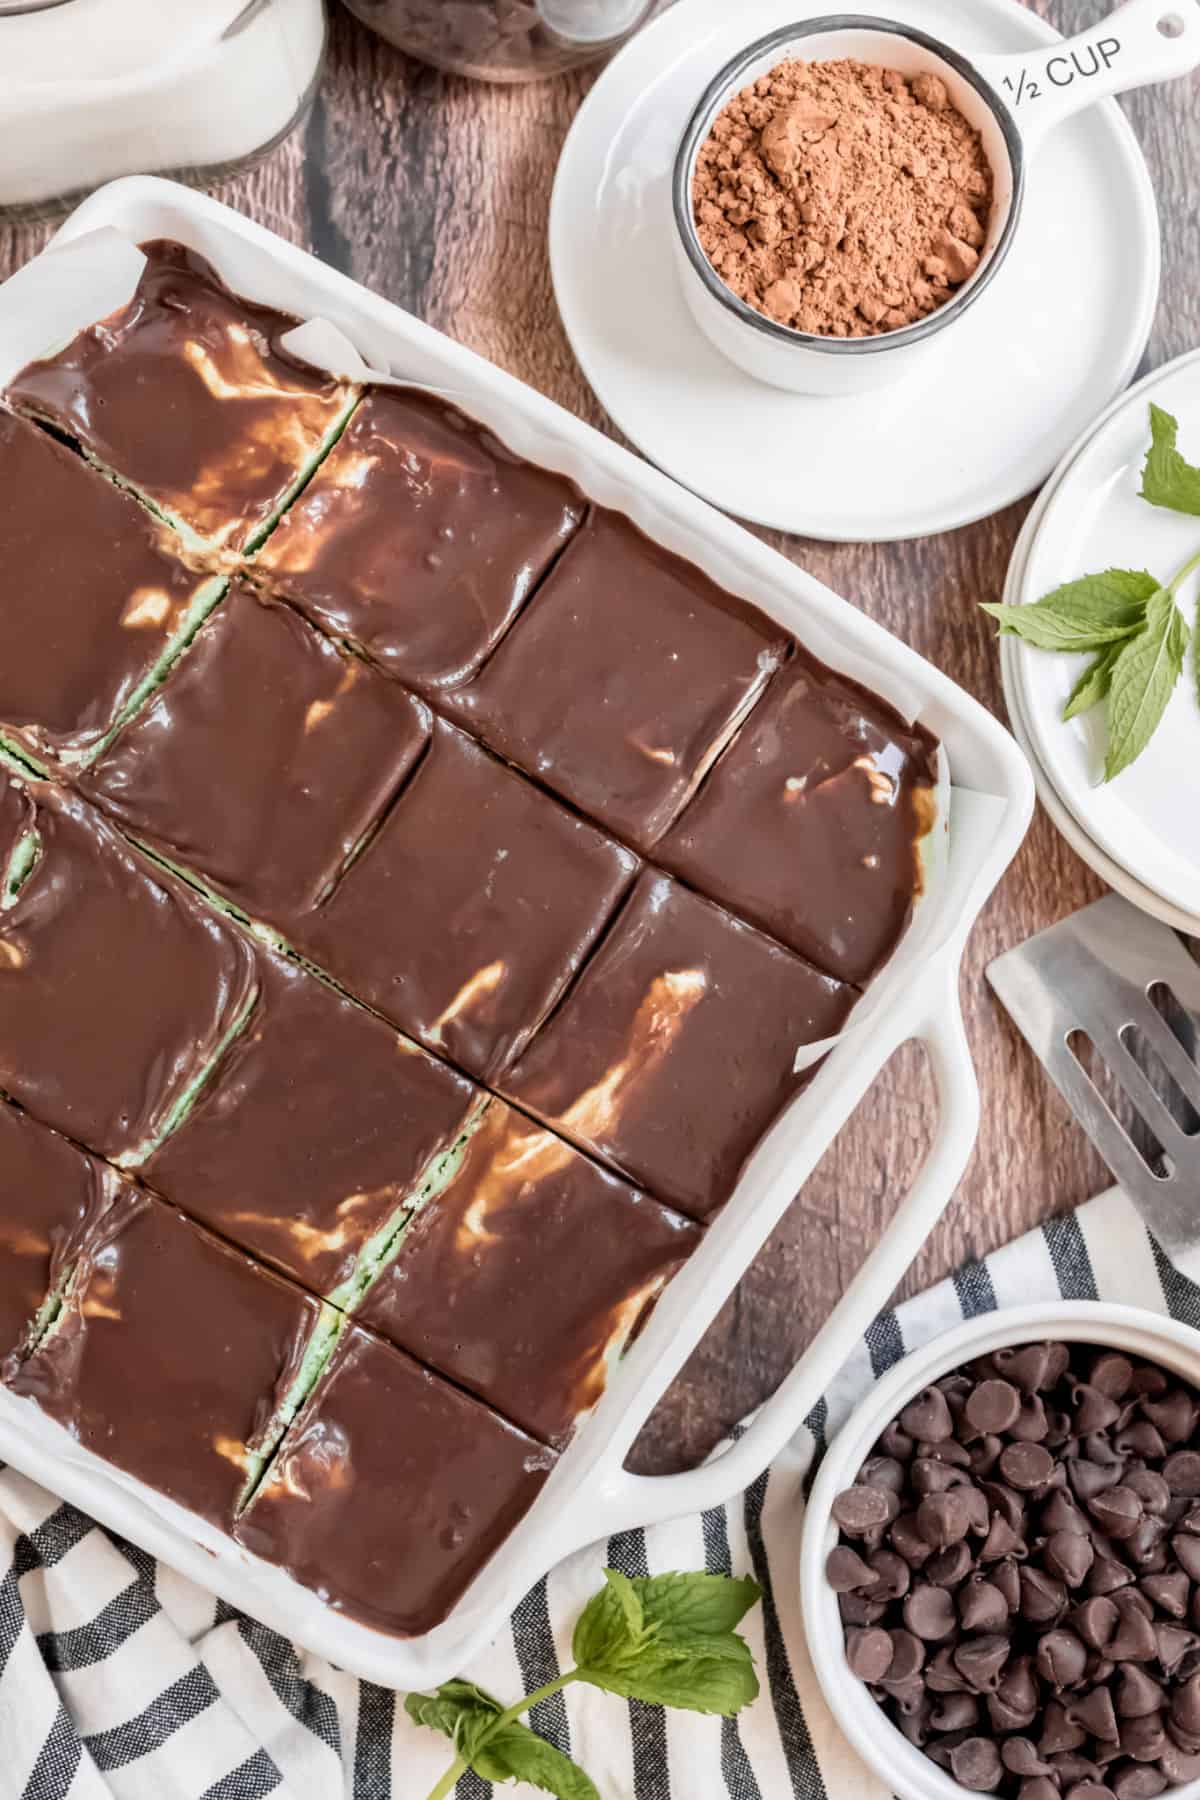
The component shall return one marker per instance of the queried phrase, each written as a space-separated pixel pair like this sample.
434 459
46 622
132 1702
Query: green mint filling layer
189 1093
321 1345
380 1251
307 470
266 934
20 866
204 602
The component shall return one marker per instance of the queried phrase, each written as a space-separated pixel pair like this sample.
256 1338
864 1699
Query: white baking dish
589 1494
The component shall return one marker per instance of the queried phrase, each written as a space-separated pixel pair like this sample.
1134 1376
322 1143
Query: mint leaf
1081 615
1143 679
456 1710
1168 479
695 1605
602 1634
627 1595
707 1683
515 1753
1093 684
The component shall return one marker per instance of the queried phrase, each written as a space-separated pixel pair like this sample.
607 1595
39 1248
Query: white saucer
1058 334
1147 821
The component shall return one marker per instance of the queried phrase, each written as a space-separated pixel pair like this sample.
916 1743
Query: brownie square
810 823
622 679
93 599
674 1051
52 1194
264 759
392 1490
118 985
526 1276
318 1128
419 538
185 395
174 1356
467 914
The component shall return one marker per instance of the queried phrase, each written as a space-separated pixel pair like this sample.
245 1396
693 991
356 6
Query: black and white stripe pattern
118 1678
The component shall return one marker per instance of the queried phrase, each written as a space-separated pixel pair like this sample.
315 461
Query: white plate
1022 373
1147 821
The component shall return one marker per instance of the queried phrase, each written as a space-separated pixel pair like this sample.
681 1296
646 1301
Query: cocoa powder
841 198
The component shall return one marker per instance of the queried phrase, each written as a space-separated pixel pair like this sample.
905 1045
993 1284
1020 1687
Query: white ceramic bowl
907 1771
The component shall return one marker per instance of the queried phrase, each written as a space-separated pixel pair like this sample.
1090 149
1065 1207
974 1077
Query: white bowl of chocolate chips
1000 1572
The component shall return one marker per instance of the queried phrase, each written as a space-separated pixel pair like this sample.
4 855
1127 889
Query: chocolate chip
993 1406
1095 1713
957 1712
916 1722
860 1509
1059 1732
868 1653
1185 1707
1134 1639
980 1660
1061 1658
1107 1574
1089 1790
929 1613
985 1453
975 1765
1133 1782
895 1442
1028 1366
1137 1694
1176 1764
1174 1414
1072 1766
1111 1374
928 1416
845 1570
1031 1424
1001 1541
981 1605
1026 1466
1169 1592
1187 1551
907 1541
892 1575
942 1520
949 1568
1150 1489
882 1471
929 1475
1141 1438
908 1656
1117 1510
1181 1472
1004 1576
1088 1479
941 1675
1091 1409
946 1450
856 1609
1043 1599
1143 1739
1039 1787
1096 1620
1020 1757
1069 1555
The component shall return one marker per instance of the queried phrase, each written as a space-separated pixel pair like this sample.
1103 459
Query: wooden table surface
434 192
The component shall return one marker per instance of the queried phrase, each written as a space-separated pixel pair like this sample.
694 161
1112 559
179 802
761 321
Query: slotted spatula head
1121 980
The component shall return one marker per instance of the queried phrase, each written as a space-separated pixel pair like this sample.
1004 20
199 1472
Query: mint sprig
1128 619
668 1640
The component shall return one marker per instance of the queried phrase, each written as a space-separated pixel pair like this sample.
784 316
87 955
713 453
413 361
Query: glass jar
92 89
505 40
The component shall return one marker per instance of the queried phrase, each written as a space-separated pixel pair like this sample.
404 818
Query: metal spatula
1113 976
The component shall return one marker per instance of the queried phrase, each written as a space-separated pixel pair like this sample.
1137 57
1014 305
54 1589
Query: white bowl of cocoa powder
844 191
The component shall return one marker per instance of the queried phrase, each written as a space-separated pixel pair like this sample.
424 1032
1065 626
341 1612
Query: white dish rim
569 1513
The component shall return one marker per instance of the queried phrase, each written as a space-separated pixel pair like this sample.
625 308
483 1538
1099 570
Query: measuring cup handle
1143 41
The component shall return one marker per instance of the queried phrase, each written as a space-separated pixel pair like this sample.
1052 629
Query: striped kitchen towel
119 1678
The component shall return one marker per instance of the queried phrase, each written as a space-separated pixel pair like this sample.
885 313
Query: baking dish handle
645 1500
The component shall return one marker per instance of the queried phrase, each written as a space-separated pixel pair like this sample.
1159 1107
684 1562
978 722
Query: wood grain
434 192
